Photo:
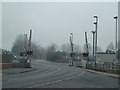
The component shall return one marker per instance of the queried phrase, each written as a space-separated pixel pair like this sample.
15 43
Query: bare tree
51 51
65 47
19 44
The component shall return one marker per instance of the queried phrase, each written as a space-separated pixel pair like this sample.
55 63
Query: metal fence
104 66
99 66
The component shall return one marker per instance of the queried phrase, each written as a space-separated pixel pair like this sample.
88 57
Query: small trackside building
103 57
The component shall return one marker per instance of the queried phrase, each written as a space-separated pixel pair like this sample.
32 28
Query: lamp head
93 32
115 17
71 33
95 16
95 22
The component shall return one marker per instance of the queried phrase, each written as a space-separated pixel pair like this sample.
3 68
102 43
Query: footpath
103 73
16 70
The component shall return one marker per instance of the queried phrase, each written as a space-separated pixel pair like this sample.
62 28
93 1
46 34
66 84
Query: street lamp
71 42
116 47
71 35
93 32
96 23
116 34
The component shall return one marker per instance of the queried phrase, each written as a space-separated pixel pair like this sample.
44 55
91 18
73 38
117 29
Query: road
57 75
0 78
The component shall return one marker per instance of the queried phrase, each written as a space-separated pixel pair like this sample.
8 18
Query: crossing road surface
57 75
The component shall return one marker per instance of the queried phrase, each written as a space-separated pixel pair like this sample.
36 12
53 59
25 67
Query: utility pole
93 41
116 33
96 24
71 42
85 53
30 40
86 43
29 47
116 46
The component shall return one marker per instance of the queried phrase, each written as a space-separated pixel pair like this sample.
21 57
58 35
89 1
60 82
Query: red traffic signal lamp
85 54
30 52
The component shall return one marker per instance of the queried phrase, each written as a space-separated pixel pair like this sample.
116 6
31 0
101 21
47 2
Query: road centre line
55 81
35 75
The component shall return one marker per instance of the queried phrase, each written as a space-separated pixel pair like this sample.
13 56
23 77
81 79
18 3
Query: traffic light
22 54
85 54
72 54
30 52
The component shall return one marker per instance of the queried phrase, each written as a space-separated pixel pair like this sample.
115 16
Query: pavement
17 70
103 73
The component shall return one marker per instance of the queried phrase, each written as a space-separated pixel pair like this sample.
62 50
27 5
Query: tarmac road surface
57 75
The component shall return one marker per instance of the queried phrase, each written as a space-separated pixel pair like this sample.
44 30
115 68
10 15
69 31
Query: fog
53 22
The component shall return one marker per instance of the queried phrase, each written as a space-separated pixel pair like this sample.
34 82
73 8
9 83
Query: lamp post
96 24
116 34
71 42
116 46
93 32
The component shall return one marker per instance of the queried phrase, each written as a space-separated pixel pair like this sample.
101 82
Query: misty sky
53 22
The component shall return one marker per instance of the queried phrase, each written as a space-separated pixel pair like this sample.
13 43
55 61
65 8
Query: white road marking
52 82
47 83
67 78
57 80
36 85
41 84
35 76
